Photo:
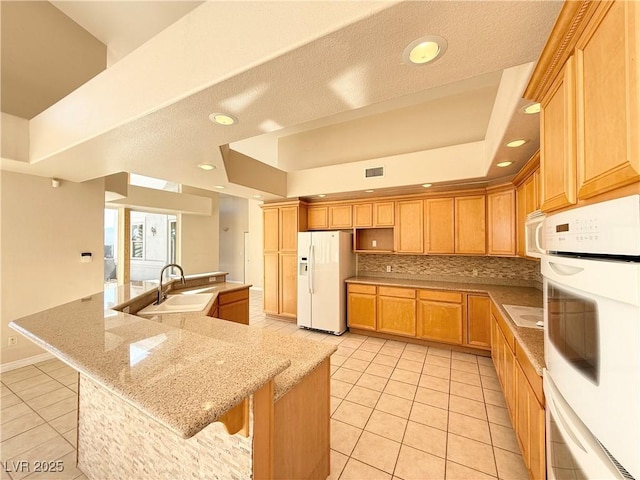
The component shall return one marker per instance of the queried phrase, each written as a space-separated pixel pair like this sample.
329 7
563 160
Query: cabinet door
383 214
521 217
529 426
235 312
478 321
397 315
502 223
361 311
289 229
440 321
508 376
608 82
340 216
270 284
317 218
409 229
439 223
271 229
557 142
470 225
288 298
363 215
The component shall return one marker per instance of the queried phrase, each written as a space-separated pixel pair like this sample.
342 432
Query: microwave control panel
607 228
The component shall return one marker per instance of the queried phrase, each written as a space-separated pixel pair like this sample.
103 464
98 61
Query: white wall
254 257
43 232
198 247
234 222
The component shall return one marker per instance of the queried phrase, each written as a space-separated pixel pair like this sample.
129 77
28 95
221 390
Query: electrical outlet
388 268
13 341
475 272
374 243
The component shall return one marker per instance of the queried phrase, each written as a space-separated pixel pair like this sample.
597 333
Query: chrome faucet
161 296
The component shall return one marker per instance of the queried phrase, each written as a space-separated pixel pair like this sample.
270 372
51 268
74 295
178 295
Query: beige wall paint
43 231
254 257
150 199
234 222
15 137
457 163
198 249
45 56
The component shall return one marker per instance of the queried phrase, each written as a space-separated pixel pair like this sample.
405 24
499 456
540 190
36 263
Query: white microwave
534 234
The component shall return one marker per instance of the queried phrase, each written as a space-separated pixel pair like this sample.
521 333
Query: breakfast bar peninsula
186 395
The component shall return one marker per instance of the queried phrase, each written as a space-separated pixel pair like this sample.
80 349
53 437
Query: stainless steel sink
187 302
530 317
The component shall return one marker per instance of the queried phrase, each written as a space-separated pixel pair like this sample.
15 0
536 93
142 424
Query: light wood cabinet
397 314
280 287
557 142
271 282
521 218
409 229
470 225
234 306
383 214
478 332
439 225
340 217
608 92
271 229
501 222
288 293
504 359
361 306
363 215
529 425
439 317
317 217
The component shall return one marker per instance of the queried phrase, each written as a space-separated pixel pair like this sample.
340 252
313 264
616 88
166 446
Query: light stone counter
183 370
531 340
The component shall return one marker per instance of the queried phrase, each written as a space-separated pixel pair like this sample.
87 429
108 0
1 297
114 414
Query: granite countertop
531 340
183 370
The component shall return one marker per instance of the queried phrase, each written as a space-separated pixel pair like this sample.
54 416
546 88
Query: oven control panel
606 228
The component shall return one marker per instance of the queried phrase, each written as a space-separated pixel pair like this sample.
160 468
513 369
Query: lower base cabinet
478 332
232 306
361 306
530 426
397 311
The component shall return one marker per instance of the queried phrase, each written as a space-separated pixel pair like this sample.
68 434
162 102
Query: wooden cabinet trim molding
529 168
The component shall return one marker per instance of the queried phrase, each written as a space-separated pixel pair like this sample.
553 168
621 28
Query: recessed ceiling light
424 50
516 143
257 196
223 118
426 185
322 195
220 187
504 164
531 109
369 191
206 166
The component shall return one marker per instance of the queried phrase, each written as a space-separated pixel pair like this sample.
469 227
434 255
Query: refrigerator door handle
311 267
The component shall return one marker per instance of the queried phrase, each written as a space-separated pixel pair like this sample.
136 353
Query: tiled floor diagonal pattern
399 411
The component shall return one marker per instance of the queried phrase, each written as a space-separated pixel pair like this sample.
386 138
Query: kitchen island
186 395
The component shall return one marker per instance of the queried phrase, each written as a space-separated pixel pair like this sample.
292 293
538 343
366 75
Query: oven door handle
566 270
564 427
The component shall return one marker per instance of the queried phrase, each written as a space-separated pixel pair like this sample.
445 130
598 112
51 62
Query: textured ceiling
354 67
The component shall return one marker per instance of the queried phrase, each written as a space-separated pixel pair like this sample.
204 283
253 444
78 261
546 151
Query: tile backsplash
496 270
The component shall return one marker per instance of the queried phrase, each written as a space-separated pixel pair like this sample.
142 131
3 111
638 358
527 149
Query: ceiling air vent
374 172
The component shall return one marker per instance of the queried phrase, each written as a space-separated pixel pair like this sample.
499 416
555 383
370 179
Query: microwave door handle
566 270
537 237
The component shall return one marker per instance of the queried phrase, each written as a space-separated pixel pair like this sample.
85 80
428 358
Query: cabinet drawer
440 296
359 288
396 292
230 297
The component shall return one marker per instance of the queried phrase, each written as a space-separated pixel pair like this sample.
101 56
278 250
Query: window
137 240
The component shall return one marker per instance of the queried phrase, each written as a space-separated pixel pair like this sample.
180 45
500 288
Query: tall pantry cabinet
282 222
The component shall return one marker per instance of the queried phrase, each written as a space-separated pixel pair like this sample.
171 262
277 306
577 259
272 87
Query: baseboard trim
7 367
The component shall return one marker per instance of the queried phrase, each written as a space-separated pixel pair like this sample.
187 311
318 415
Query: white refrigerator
325 261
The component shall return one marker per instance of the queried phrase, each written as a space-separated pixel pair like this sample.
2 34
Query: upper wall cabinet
383 214
271 230
409 228
470 225
501 207
557 142
340 217
363 215
439 225
588 83
318 217
607 85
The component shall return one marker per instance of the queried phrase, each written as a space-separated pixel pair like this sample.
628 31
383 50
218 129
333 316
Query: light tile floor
399 411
